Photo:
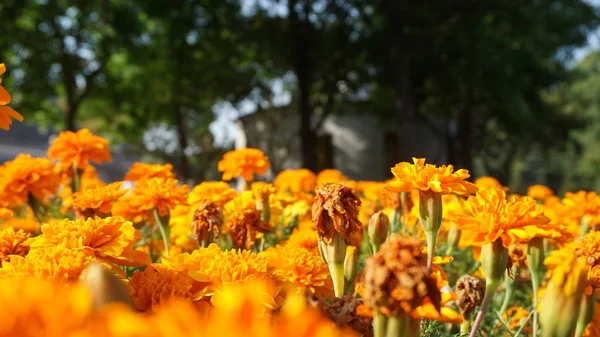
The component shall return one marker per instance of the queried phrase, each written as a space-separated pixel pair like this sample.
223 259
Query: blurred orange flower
243 162
12 242
539 192
76 148
98 201
330 176
295 181
6 112
139 171
24 175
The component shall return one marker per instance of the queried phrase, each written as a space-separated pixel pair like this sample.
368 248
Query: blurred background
504 88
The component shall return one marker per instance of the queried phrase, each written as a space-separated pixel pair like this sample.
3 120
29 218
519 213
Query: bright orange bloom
110 238
218 192
13 243
98 201
539 192
427 177
582 208
5 213
149 194
243 162
76 148
304 238
486 182
139 171
6 113
25 175
516 316
296 181
330 176
490 216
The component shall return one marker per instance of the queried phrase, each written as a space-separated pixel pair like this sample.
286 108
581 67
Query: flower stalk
163 227
586 313
430 212
535 262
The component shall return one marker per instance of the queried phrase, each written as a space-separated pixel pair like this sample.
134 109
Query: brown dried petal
335 209
470 291
207 218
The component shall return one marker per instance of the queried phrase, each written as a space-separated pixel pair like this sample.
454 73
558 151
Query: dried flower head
343 311
396 278
76 148
243 162
244 220
207 220
336 209
470 291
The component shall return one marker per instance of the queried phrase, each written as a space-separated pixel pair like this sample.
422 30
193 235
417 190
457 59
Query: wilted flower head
335 209
243 162
6 112
76 148
396 278
24 175
427 177
207 221
244 220
141 171
470 291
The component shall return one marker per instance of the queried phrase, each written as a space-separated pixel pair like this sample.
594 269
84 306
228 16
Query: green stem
164 231
76 181
337 276
465 326
586 313
490 289
379 325
510 290
535 284
395 224
397 326
431 238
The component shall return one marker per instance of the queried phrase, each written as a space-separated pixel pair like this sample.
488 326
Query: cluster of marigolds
306 255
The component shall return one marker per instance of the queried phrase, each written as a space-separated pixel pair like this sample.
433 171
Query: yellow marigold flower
28 224
336 210
330 176
428 310
24 175
539 192
218 192
6 112
243 162
110 238
296 181
490 216
13 243
302 268
244 221
304 238
486 182
141 171
250 301
5 213
98 201
157 284
299 210
31 307
76 148
582 208
427 177
149 194
180 236
373 190
51 262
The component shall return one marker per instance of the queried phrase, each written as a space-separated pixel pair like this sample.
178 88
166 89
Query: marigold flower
158 284
330 176
52 262
490 216
6 112
243 162
5 213
304 238
396 278
516 316
24 175
427 177
31 307
335 210
207 222
76 148
149 194
244 220
98 201
110 238
218 192
13 243
539 192
302 268
28 224
582 209
296 181
486 182
141 171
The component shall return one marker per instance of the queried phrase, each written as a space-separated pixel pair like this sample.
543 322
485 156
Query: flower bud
105 286
494 261
350 268
378 228
453 238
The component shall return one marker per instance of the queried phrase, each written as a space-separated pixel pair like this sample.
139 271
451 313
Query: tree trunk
183 143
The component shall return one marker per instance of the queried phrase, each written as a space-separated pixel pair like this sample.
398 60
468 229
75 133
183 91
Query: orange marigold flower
296 181
13 243
51 262
304 238
28 224
158 284
244 221
140 171
427 177
336 209
31 307
330 176
25 175
539 192
516 316
218 192
582 209
98 201
76 148
490 216
110 238
302 268
6 112
149 194
5 213
243 162
486 182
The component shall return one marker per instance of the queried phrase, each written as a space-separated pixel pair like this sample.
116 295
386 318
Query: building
361 145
